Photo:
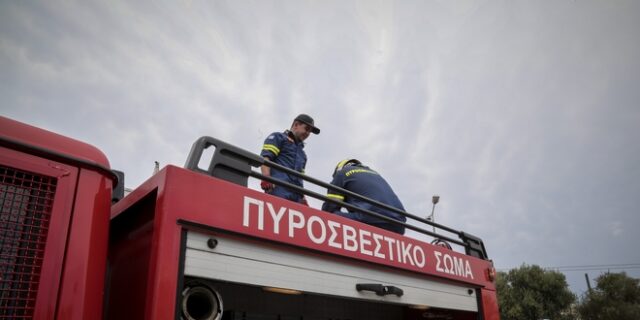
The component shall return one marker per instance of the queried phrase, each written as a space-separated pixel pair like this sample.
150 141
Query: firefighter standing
353 176
287 149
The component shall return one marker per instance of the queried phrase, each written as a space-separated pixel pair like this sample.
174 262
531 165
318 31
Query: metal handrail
235 165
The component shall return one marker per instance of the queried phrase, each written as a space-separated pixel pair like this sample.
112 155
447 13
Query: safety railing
235 165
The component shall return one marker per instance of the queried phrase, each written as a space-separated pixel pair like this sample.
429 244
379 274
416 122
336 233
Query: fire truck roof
31 139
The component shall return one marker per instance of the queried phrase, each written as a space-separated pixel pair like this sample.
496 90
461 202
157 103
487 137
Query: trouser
285 193
393 227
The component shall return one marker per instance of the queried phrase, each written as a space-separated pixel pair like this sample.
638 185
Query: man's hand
266 186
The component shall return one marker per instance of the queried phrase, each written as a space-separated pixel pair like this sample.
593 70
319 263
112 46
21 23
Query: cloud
522 116
616 229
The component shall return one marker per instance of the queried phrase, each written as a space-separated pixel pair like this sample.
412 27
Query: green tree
615 297
532 293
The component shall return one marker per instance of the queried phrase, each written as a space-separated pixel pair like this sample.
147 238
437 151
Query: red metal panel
130 237
73 267
31 135
490 310
49 257
81 292
189 196
194 197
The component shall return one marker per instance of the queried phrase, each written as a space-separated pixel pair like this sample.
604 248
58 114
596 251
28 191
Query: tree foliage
532 293
615 297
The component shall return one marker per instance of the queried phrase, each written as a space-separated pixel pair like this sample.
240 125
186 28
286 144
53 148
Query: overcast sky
523 116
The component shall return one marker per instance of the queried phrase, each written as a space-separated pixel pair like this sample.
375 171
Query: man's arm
270 151
266 171
330 206
335 195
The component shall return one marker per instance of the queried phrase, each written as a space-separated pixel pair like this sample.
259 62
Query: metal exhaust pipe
200 302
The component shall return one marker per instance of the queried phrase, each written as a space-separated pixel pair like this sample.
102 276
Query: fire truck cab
197 243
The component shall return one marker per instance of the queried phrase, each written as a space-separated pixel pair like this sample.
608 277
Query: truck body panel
68 253
253 262
189 206
55 199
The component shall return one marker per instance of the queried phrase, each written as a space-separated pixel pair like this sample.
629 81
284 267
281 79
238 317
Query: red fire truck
197 243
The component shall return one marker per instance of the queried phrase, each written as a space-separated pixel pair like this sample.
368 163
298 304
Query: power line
597 266
593 267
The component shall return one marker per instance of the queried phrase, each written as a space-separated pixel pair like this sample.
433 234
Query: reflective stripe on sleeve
335 196
272 148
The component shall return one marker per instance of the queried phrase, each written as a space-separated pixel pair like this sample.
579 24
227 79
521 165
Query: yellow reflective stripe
341 164
350 172
274 151
335 196
272 148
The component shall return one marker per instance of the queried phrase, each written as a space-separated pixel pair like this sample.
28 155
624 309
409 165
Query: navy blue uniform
368 183
283 149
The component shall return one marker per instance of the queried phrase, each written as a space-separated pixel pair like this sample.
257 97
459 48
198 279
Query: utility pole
586 276
435 199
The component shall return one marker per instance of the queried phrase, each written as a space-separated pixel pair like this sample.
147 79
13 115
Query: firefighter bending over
287 149
353 176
